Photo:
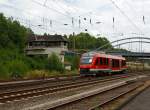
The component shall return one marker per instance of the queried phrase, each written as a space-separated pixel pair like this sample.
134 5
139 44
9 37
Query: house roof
47 38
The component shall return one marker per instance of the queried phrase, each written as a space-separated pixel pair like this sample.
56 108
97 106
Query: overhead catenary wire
45 2
62 7
55 10
131 7
124 14
134 11
27 12
29 24
49 21
34 1
72 7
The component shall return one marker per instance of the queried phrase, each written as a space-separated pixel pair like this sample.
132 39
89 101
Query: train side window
101 61
123 63
106 61
117 63
97 61
113 63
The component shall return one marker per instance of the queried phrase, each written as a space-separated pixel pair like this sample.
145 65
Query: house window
65 43
30 44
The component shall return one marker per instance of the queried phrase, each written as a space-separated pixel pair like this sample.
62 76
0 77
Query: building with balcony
47 44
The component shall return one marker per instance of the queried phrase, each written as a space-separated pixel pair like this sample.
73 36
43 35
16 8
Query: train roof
102 54
111 56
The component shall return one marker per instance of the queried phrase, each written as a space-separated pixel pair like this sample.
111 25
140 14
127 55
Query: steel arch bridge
129 38
118 45
124 41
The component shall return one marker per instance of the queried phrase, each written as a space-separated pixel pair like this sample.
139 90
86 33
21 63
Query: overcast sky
51 15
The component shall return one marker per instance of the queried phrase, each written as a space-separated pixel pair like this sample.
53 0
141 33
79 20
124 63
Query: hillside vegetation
15 64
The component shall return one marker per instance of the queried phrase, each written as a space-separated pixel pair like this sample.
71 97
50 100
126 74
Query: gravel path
141 102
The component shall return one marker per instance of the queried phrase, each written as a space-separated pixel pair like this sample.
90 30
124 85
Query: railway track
31 92
115 97
9 86
29 83
23 85
98 100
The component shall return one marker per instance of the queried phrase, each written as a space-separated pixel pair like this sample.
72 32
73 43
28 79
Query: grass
37 74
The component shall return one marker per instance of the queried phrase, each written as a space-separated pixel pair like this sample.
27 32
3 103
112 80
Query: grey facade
47 44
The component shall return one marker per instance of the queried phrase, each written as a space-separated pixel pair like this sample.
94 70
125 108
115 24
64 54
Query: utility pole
79 22
72 22
74 46
51 23
113 24
74 33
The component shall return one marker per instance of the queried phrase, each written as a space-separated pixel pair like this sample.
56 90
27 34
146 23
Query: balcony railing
44 47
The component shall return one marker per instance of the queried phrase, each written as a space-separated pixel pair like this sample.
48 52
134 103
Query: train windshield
86 60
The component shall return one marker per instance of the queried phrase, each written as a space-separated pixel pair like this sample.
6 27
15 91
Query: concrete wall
138 66
47 51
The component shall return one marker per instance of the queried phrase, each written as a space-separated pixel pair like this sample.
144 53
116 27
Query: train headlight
90 60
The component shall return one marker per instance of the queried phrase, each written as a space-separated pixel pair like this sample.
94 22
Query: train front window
87 60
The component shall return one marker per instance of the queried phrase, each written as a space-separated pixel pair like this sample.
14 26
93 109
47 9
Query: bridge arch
129 38
130 42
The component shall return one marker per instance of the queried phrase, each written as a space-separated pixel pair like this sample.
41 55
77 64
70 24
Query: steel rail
17 95
115 97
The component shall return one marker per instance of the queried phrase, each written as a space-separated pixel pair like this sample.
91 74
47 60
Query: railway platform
140 102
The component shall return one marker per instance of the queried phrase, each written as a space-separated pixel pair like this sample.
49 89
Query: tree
87 41
12 34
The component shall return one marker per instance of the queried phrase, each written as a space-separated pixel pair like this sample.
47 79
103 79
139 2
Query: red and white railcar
94 63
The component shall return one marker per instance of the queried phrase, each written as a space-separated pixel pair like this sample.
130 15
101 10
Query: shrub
37 62
4 74
54 63
17 68
36 74
75 62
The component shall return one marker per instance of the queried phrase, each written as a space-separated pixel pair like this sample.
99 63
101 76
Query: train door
110 63
97 63
120 64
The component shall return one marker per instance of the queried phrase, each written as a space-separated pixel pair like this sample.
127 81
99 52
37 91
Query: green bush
4 74
17 68
36 62
36 74
74 60
54 63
